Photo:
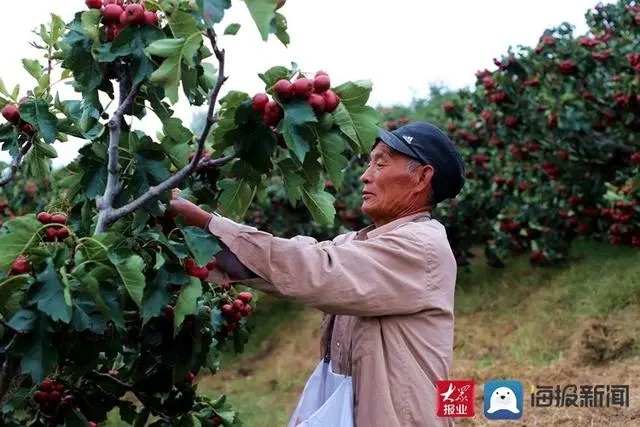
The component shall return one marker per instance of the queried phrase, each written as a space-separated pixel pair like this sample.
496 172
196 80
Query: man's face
390 190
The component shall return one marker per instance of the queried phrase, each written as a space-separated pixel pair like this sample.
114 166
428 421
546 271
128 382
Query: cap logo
409 139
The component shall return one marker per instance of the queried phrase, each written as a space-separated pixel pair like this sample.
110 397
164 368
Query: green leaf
131 270
175 51
331 145
3 89
57 28
46 150
320 205
212 11
236 197
158 291
279 28
296 113
37 113
39 356
87 316
9 287
33 67
52 297
273 74
36 164
24 320
22 232
187 302
90 20
293 180
356 120
232 29
262 12
203 245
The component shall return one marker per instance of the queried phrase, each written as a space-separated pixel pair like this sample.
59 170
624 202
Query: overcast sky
402 46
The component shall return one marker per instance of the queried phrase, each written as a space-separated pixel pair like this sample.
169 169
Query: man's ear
426 176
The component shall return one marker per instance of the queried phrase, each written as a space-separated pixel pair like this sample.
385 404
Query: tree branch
15 164
108 215
105 203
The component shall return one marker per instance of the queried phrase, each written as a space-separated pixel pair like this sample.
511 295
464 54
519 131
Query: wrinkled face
390 190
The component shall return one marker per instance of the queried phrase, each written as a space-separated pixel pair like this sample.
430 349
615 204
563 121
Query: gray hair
412 165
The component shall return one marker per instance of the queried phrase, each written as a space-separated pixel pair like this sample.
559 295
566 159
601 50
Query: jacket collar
371 230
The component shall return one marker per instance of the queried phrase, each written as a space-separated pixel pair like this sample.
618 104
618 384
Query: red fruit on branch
511 121
150 18
44 217
51 234
11 113
601 56
317 103
92 424
331 101
113 373
246 311
27 128
135 14
568 67
20 266
62 233
302 88
169 312
448 107
321 73
227 311
58 219
284 89
634 158
321 83
189 377
531 82
245 297
237 305
259 102
536 256
118 2
548 40
111 13
93 4
212 265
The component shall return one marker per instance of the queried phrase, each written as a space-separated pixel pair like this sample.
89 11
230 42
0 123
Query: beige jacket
389 293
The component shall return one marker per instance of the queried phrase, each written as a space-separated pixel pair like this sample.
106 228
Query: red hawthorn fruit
573 200
55 396
448 107
488 82
553 121
331 101
46 385
227 310
302 88
62 233
189 377
486 115
58 219
201 273
93 4
469 108
170 311
635 240
113 373
92 424
317 103
321 83
150 18
246 310
124 19
568 67
108 2
237 305
601 56
238 315
111 32
111 13
511 121
523 186
273 109
259 102
634 158
44 217
40 396
468 174
231 326
548 40
246 297
321 73
451 128
60 388
27 128
20 266
536 256
11 113
531 82
51 234
135 14
211 265
284 89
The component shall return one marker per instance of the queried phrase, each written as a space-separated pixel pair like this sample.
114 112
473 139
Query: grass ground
576 324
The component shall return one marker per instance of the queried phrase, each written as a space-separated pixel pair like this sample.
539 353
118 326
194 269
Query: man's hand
192 214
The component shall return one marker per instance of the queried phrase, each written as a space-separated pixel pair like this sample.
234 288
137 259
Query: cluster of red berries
240 308
53 233
50 395
117 15
199 271
316 92
12 114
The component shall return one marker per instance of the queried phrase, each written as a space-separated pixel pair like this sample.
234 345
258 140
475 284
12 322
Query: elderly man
387 291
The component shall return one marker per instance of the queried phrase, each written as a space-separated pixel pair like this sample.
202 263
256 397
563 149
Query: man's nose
365 178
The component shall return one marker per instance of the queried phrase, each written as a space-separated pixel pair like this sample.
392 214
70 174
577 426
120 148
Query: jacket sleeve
385 275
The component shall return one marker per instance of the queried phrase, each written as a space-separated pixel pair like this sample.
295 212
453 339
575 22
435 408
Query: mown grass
516 321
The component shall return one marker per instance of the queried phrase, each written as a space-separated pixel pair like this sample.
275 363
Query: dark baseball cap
427 144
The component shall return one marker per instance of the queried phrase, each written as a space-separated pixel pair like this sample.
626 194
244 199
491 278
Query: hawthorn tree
105 301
